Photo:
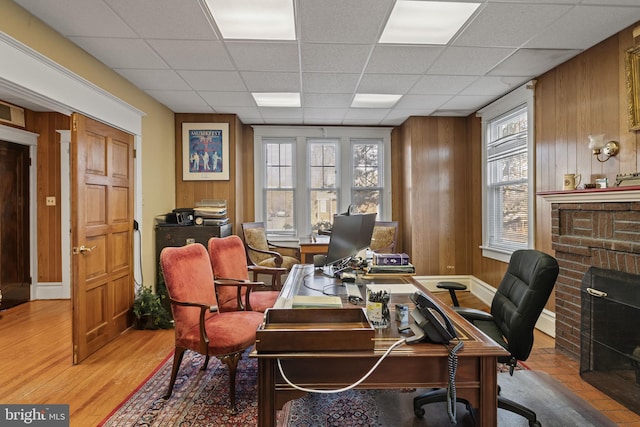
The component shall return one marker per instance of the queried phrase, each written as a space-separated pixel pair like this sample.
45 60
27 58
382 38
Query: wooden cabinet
181 235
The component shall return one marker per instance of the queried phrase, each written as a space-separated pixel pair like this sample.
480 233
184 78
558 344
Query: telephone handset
430 322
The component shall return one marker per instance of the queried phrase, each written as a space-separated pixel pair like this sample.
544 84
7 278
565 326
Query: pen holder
378 308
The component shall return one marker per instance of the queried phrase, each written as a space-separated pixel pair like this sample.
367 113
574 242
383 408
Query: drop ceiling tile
491 85
154 79
529 63
271 82
121 53
334 114
165 19
180 101
265 56
402 59
387 83
426 102
79 18
469 61
228 99
214 80
327 100
329 82
344 58
508 25
269 113
403 113
441 85
467 103
374 114
585 26
193 54
338 21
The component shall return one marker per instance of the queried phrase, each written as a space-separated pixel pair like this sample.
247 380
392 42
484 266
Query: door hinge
135 153
74 123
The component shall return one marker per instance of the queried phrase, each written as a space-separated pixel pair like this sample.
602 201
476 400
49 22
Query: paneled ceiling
173 50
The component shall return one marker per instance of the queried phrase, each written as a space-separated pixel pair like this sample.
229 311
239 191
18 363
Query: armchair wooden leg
177 359
231 360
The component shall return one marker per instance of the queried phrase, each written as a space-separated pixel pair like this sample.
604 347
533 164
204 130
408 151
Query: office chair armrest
472 314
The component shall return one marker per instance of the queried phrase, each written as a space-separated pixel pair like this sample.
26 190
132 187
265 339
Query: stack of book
390 264
212 212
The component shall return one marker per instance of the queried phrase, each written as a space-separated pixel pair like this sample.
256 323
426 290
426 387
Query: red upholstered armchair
198 324
229 262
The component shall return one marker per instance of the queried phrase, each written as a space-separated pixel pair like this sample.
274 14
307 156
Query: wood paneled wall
190 192
49 227
435 193
586 95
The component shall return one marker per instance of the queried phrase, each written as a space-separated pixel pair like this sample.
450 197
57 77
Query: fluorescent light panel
277 99
254 19
374 100
426 22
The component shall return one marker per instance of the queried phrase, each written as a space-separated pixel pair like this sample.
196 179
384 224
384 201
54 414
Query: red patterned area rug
200 399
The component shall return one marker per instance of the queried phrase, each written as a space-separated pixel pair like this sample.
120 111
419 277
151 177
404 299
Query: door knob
82 249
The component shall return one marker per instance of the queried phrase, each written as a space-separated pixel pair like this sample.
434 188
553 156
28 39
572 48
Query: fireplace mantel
598 195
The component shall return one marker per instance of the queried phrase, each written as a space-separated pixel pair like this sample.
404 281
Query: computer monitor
349 235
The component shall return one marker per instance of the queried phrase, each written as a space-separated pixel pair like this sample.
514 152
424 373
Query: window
306 175
279 192
508 174
366 188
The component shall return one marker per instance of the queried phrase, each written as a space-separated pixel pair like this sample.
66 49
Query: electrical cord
452 366
357 383
137 231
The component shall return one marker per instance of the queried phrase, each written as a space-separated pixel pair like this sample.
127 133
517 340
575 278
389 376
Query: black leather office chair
516 306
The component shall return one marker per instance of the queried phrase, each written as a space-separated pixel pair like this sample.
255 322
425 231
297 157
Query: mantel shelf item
597 195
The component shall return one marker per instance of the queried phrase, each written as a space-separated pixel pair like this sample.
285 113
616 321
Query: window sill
498 255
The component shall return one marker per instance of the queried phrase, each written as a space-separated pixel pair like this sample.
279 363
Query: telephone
430 322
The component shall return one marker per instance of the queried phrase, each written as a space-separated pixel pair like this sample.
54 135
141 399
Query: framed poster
633 86
205 151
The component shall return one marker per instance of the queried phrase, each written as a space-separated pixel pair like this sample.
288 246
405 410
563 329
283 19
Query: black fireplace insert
610 334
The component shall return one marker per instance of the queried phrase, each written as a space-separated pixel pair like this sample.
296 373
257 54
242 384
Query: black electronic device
180 216
431 323
349 235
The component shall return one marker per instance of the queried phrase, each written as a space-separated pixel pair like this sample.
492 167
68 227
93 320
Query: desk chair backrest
229 261
188 276
521 297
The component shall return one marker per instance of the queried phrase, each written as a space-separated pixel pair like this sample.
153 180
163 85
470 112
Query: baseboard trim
485 292
51 290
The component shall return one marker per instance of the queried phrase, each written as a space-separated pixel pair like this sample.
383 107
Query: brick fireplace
599 228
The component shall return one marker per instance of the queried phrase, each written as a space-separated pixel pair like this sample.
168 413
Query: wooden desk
419 365
310 248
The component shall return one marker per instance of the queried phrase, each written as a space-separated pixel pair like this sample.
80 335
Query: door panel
102 231
14 224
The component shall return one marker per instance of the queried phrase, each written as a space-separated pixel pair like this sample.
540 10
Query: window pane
279 167
366 201
322 164
510 223
324 205
280 210
366 165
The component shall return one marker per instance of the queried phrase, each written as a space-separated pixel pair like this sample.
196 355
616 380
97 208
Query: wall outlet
51 201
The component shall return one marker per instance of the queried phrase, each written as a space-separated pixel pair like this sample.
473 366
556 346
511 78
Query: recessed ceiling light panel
426 22
254 19
277 99
374 100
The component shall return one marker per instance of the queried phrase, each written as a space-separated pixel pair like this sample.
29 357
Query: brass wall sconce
598 146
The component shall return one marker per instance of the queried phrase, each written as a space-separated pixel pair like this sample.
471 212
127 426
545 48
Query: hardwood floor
37 364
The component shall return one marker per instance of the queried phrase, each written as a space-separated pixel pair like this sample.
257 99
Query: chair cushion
228 332
257 238
259 300
287 262
382 238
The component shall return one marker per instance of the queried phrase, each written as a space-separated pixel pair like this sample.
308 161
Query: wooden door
101 233
15 280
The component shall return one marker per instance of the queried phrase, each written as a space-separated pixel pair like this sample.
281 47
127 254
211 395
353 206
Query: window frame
522 96
301 178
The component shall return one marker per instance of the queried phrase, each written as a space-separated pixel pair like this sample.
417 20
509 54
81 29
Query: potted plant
149 312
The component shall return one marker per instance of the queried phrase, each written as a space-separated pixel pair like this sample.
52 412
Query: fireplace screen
610 334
